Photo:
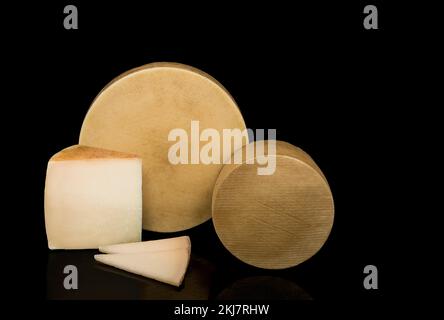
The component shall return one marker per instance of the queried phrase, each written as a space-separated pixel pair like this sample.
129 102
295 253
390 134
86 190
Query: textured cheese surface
92 198
273 221
165 266
149 246
136 112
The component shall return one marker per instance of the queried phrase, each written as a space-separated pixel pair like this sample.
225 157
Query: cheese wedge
149 246
165 266
93 197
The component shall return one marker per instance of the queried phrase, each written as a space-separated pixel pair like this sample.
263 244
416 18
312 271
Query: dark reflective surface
213 274
98 281
264 288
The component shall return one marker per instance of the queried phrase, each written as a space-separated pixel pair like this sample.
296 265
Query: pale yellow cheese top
135 113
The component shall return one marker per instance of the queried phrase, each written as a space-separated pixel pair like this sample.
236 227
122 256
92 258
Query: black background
309 69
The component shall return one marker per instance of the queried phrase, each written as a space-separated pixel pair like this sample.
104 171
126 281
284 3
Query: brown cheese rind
136 112
273 221
78 152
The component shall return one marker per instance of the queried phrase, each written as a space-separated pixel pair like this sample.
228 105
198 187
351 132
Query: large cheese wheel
273 221
136 112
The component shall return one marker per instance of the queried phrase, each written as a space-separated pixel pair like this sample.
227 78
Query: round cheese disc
273 221
136 112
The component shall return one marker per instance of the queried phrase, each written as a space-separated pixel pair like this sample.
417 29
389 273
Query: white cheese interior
93 197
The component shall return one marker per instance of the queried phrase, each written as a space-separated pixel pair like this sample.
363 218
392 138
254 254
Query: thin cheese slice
149 246
165 266
93 197
137 111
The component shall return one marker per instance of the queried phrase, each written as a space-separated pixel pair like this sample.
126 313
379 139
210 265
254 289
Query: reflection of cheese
137 111
149 246
93 197
165 266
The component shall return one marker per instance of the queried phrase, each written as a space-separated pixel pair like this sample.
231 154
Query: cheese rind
149 246
93 197
273 221
78 152
137 111
165 266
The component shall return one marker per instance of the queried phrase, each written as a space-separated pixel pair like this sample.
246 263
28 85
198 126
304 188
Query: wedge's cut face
93 197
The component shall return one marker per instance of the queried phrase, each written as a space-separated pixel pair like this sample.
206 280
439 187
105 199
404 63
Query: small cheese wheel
136 112
273 221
